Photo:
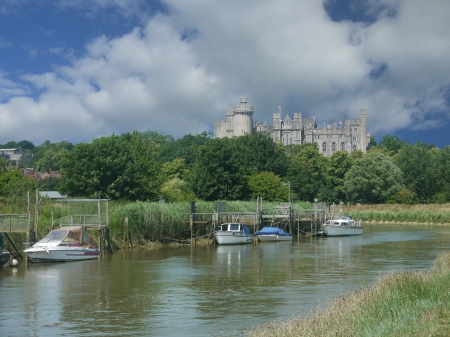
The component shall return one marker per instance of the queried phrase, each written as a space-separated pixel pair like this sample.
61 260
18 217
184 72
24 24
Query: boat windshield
234 227
56 235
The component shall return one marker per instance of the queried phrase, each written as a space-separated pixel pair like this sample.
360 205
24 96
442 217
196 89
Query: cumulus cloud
179 70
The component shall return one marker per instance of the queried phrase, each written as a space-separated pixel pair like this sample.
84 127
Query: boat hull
56 255
233 238
332 230
274 237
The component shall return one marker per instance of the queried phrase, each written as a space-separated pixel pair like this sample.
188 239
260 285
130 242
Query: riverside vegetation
399 304
152 222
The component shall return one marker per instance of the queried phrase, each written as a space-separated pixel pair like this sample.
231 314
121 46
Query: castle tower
243 118
238 122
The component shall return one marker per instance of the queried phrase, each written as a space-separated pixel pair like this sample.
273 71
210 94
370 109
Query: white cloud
178 73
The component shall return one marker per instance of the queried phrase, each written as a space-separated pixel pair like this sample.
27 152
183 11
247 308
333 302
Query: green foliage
48 157
337 166
307 172
439 198
10 145
267 185
3 165
404 196
50 184
183 148
174 169
26 145
117 167
156 137
223 165
390 145
420 170
373 178
176 190
217 173
14 185
257 153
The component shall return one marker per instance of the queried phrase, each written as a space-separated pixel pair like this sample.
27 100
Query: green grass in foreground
400 304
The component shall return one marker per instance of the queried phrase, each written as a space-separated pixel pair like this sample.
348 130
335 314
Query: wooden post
36 217
125 233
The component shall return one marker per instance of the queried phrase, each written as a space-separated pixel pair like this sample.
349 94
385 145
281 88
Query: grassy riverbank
423 214
400 304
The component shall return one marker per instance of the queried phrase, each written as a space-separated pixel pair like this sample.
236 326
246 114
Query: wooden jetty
93 217
298 223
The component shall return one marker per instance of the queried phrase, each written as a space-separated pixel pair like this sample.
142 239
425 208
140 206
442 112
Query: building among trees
349 135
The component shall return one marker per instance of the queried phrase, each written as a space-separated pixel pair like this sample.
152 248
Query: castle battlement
349 135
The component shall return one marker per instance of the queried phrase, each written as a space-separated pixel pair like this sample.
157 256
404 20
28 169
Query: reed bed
400 304
165 222
426 214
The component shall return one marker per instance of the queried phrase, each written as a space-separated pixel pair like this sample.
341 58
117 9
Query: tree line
149 166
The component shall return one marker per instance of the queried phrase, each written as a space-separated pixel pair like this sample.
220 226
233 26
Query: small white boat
232 234
273 234
64 244
344 226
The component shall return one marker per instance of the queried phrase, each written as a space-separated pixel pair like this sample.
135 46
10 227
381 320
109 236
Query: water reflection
205 290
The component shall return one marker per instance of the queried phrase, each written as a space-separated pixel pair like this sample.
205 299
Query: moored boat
70 243
267 234
344 226
232 234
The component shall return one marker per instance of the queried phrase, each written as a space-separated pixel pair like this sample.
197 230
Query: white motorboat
232 234
344 226
273 234
64 244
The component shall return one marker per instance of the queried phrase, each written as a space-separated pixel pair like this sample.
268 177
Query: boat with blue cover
267 234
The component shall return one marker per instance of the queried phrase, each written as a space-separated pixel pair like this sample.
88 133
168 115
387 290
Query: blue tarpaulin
271 230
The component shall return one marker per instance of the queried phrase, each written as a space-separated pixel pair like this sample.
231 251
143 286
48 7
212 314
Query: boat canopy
70 234
270 230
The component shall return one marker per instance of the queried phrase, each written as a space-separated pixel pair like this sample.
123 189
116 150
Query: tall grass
431 214
400 304
149 221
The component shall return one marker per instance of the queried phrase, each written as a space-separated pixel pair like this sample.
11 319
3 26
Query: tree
338 165
48 158
217 173
306 172
259 153
26 145
14 185
50 184
183 148
373 178
420 170
176 190
267 185
117 167
390 145
404 196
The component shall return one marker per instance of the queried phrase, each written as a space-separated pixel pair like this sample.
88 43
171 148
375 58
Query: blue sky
79 69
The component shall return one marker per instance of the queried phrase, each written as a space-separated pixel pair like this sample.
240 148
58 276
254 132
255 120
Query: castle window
333 147
354 138
342 146
324 147
355 130
354 147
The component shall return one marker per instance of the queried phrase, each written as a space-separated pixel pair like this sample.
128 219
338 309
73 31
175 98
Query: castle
348 136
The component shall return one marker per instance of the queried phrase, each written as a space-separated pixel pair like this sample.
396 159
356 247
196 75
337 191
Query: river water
205 290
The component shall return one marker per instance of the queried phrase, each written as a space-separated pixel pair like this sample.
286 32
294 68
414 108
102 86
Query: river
205 290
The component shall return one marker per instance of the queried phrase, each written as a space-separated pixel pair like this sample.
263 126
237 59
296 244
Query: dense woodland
149 166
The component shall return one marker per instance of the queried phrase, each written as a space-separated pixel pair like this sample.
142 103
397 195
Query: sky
76 70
